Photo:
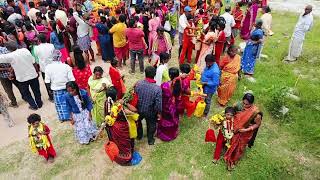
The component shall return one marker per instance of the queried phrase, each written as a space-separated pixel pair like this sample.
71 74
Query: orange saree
239 141
229 77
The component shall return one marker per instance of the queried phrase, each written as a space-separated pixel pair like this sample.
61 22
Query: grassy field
287 146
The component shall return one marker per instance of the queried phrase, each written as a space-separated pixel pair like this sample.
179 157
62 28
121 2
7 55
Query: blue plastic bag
136 158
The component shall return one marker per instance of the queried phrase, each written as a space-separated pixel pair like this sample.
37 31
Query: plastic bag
136 158
200 109
210 136
190 107
132 125
111 149
167 26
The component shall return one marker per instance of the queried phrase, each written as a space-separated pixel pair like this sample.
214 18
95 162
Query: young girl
225 133
39 138
185 84
80 106
117 79
4 110
162 74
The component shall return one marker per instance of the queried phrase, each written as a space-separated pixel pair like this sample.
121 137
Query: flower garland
115 110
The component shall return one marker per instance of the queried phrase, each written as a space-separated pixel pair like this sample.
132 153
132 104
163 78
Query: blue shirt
55 41
72 105
211 76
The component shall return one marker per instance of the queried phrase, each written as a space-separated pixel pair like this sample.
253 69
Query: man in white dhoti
304 25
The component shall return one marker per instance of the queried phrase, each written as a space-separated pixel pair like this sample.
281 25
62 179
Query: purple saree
168 126
249 21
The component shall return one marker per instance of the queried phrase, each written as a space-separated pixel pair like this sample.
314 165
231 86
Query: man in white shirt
44 52
58 74
13 16
32 12
230 22
183 23
22 62
304 25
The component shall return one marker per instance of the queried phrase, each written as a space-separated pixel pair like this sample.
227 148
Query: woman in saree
221 40
252 50
230 66
119 131
207 47
247 120
97 87
168 126
249 20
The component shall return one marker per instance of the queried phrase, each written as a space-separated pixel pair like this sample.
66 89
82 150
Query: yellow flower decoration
110 120
217 119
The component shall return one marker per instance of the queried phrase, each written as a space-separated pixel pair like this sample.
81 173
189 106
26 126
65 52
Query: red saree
239 141
120 136
219 46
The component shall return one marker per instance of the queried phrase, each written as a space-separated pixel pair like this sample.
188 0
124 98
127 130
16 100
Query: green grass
285 148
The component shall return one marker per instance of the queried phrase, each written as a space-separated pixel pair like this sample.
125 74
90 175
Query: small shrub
278 104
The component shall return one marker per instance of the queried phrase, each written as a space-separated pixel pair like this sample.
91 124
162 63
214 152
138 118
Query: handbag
200 109
190 107
210 136
167 26
112 150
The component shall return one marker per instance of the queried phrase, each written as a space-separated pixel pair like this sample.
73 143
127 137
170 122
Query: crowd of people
55 37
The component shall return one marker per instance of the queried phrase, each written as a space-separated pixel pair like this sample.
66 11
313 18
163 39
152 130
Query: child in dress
225 133
4 110
39 138
80 105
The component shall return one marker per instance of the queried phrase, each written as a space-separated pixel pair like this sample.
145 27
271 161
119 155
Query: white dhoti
295 49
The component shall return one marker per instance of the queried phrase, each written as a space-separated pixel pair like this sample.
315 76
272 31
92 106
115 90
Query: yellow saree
229 77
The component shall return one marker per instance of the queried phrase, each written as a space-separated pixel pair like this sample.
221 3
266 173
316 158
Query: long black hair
78 57
58 34
176 83
249 97
73 85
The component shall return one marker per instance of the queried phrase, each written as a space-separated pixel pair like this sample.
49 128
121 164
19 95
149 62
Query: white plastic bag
167 26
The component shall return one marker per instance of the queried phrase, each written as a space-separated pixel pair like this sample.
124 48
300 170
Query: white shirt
159 74
83 27
183 23
32 14
303 25
44 52
229 23
62 16
22 62
13 17
58 74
